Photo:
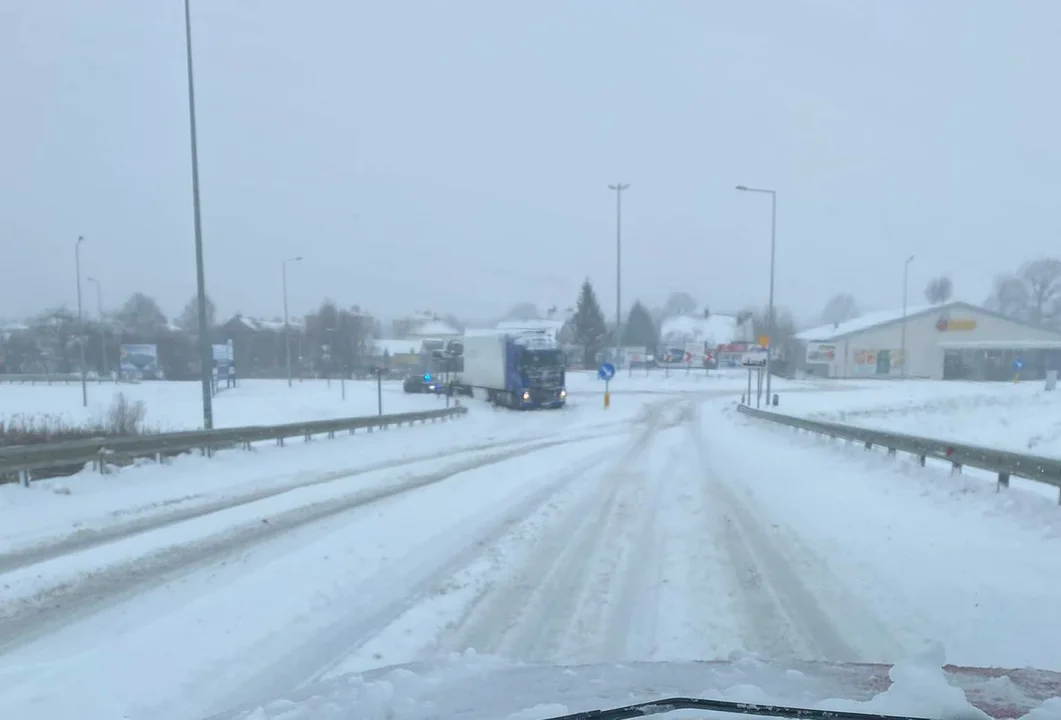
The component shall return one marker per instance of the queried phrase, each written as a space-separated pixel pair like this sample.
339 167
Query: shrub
122 418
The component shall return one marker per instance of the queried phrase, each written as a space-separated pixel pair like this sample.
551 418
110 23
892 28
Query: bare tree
840 308
679 303
939 290
1043 281
1009 297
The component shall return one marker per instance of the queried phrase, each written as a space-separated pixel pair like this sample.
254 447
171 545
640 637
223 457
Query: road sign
606 371
1018 364
764 340
753 359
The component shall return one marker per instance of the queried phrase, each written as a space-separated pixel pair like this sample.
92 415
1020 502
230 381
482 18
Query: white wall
925 356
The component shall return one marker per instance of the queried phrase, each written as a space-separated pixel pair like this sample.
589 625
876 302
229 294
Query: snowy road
687 533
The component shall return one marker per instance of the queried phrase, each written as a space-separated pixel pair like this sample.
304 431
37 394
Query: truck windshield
541 359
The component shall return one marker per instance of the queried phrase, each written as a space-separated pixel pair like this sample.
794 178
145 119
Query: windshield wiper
667 705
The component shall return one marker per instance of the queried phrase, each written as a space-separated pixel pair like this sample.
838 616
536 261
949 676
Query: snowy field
178 405
666 528
1023 417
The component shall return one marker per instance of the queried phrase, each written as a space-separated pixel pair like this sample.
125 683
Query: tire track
784 618
62 605
340 642
91 538
528 615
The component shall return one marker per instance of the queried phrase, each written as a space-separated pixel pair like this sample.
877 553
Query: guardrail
28 462
50 378
1003 462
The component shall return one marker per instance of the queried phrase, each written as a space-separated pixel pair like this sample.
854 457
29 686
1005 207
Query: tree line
331 340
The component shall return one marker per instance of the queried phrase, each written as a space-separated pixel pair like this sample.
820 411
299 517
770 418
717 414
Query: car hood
473 687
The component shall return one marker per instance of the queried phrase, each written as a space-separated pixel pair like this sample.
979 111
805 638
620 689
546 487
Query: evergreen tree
590 328
640 329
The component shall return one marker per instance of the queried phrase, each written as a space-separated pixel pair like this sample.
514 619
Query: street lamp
80 319
206 358
770 307
618 188
102 328
287 327
906 274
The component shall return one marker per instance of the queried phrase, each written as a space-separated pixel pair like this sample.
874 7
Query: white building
949 341
713 330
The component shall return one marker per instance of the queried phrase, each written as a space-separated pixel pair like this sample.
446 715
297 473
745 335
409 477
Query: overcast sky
456 154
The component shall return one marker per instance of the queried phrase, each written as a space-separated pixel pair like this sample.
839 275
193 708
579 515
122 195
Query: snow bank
1022 417
929 555
178 405
478 687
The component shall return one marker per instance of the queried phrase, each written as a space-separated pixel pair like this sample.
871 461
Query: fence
1003 462
50 379
28 462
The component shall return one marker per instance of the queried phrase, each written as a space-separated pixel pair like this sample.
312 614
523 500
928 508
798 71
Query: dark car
426 383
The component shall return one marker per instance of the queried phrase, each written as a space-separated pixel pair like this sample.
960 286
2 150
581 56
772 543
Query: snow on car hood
473 687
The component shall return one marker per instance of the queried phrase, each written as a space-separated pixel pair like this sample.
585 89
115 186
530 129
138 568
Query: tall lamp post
80 319
102 329
618 188
906 275
770 306
206 358
287 327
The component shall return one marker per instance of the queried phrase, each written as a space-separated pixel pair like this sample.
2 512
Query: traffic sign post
606 372
1017 365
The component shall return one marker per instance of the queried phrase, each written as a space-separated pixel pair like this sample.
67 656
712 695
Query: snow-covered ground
1023 417
178 405
666 528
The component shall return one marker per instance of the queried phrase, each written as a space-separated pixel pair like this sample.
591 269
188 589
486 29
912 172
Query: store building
955 340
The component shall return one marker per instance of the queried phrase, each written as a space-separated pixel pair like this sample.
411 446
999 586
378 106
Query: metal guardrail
50 378
1003 462
23 460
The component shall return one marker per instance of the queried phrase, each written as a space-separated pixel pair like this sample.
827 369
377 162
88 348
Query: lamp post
770 307
906 275
287 327
80 319
618 188
206 358
102 328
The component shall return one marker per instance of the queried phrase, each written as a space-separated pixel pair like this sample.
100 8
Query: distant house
424 325
258 344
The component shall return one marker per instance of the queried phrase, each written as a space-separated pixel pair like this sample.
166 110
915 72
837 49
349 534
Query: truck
517 369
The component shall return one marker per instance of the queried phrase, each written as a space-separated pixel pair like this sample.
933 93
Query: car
426 383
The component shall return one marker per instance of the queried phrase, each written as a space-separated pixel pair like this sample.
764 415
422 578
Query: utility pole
287 326
102 327
206 357
618 188
906 274
770 327
80 319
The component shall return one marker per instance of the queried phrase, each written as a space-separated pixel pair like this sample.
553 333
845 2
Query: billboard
139 361
818 352
223 357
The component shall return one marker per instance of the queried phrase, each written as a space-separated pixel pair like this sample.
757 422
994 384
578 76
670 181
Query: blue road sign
1018 364
606 371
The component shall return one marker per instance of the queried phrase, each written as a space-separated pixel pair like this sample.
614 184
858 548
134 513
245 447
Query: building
722 335
955 340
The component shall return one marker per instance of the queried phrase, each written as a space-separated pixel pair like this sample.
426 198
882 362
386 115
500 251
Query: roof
264 325
549 327
885 317
714 330
397 347
434 328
